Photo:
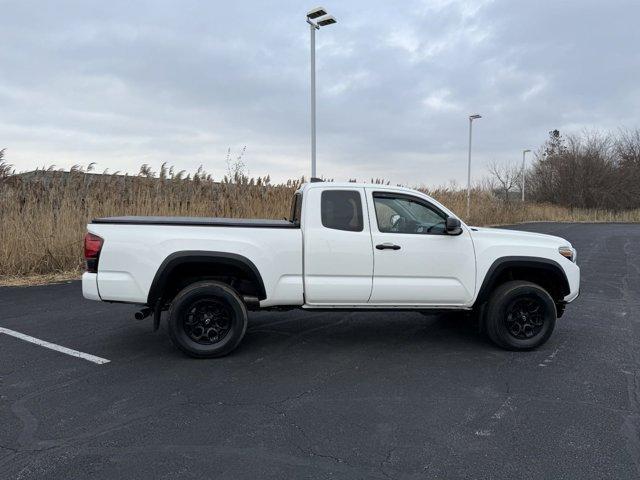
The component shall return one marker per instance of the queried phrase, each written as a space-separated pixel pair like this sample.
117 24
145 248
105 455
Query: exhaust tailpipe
142 314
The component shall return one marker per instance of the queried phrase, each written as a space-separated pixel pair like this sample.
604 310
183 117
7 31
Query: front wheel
520 316
207 319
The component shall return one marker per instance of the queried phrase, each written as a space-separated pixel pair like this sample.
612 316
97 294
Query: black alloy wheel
520 315
525 317
207 319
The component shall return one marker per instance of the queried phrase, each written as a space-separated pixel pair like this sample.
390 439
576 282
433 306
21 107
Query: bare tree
627 149
504 178
586 170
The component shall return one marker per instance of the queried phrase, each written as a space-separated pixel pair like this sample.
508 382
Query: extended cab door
338 255
416 261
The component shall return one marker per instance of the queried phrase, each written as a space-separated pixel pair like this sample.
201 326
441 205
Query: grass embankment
43 216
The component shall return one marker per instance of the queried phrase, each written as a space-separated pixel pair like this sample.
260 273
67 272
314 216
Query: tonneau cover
199 221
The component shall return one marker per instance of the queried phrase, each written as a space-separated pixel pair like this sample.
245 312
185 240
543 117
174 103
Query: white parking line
53 346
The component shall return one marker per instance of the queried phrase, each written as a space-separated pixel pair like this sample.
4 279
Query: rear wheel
207 319
520 316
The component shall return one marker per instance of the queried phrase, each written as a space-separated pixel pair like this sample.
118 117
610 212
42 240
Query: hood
519 235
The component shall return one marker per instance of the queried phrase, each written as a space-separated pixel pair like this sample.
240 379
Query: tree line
587 170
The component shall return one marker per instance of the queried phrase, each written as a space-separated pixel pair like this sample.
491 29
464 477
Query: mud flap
157 314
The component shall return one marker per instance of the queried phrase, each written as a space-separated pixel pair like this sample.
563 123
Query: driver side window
402 214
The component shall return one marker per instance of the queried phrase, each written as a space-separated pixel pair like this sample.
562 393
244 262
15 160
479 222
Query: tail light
92 247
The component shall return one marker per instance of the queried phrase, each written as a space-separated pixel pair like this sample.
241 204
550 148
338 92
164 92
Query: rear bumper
90 286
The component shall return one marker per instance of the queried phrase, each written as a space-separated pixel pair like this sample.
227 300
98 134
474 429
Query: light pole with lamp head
471 119
316 18
524 152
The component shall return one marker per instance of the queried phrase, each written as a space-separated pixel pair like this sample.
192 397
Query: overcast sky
123 83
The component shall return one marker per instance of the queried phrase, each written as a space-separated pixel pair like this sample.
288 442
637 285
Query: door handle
388 246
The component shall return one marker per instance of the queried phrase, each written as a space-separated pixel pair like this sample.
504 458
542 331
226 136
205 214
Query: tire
207 320
520 316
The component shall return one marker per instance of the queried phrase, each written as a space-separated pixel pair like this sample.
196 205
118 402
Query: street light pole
471 119
524 152
321 18
313 28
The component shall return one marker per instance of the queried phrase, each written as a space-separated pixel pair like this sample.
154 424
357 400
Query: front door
338 256
416 261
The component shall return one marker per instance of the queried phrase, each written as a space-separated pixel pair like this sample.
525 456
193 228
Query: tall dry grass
43 214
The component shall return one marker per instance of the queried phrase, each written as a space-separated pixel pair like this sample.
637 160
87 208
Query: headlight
568 252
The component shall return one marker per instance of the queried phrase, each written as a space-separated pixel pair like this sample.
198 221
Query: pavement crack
293 397
387 461
10 449
269 405
310 451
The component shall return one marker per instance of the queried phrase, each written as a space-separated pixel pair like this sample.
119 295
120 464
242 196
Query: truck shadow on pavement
344 332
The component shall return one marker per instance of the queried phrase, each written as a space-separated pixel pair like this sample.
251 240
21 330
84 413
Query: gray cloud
123 83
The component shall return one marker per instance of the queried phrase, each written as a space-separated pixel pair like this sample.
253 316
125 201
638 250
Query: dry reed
43 214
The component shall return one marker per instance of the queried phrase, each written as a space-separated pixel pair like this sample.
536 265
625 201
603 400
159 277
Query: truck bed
198 222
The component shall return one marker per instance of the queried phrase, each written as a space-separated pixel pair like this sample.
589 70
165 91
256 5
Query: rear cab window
342 210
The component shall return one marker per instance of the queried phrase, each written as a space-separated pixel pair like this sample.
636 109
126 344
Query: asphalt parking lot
317 395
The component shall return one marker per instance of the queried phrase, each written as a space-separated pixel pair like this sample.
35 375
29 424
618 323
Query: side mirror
452 226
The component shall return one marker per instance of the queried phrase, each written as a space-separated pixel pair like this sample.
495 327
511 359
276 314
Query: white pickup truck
345 246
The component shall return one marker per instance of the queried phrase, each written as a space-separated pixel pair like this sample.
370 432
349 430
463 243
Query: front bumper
572 296
573 276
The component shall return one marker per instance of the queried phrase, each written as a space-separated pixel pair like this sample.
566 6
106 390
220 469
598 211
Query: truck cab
378 246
